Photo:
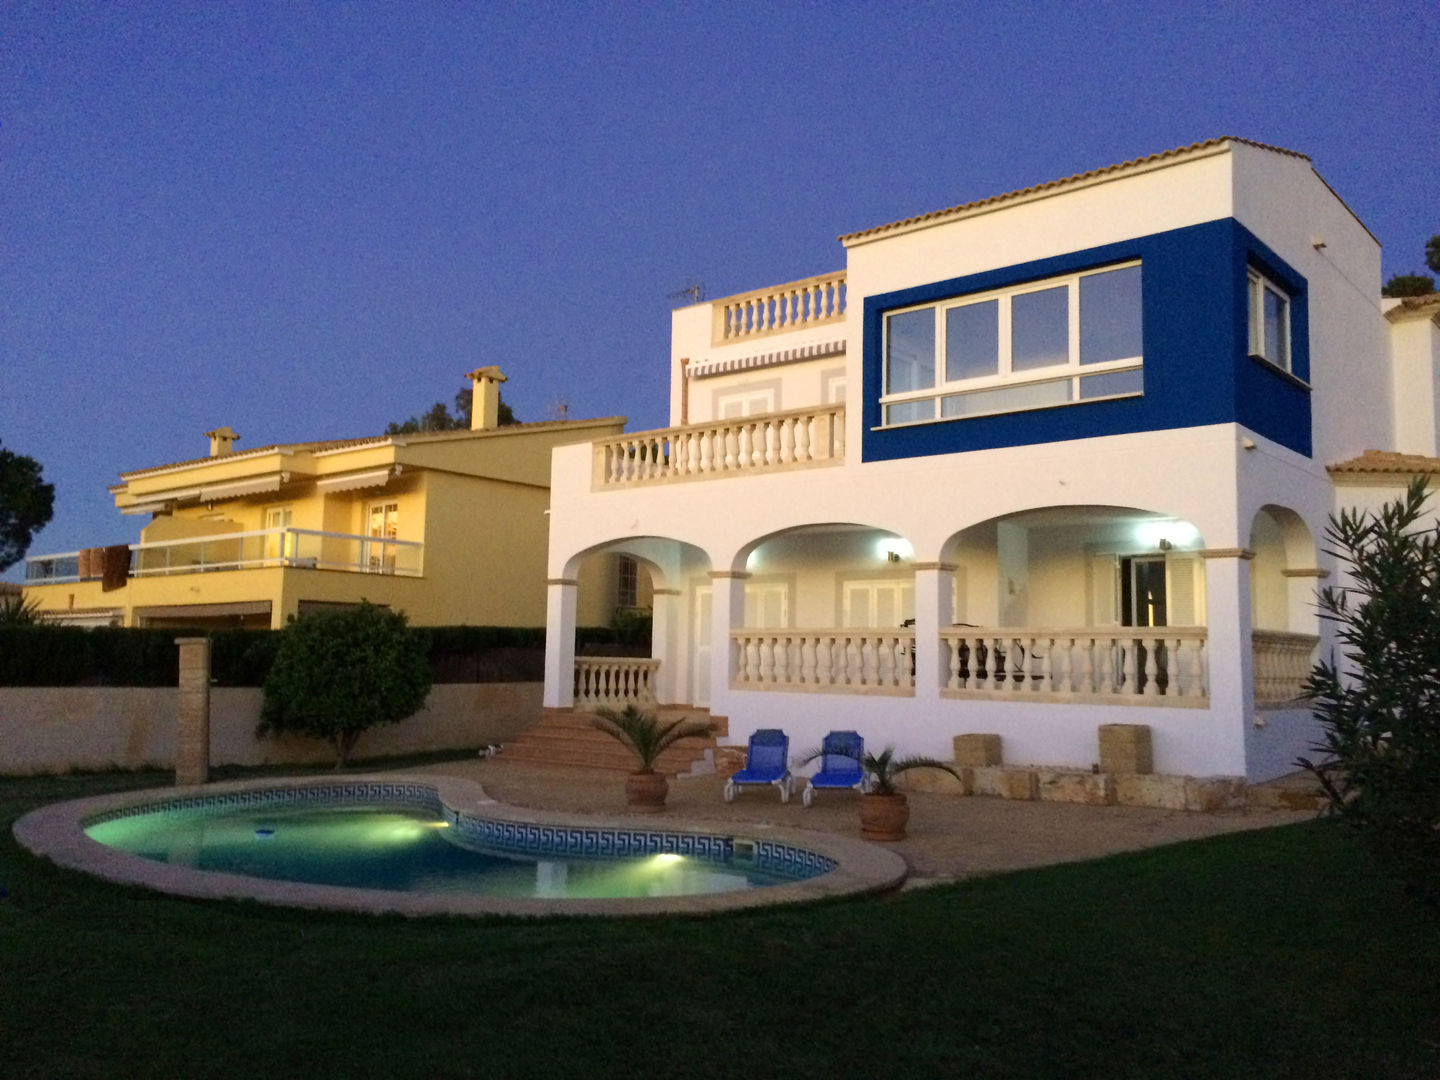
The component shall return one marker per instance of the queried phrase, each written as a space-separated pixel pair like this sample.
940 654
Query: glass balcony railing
297 548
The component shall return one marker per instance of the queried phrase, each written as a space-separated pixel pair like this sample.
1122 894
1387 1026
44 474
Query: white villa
1058 458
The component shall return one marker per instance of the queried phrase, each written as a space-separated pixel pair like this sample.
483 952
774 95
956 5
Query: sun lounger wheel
808 796
729 791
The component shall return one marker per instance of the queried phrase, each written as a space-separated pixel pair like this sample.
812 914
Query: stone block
933 781
986 780
973 750
1021 784
1160 792
1210 793
1090 789
1126 748
729 760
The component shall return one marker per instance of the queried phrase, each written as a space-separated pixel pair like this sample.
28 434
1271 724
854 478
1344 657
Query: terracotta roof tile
940 215
1387 461
341 444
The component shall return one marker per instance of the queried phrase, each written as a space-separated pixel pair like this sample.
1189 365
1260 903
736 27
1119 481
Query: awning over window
163 501
240 487
354 481
204 611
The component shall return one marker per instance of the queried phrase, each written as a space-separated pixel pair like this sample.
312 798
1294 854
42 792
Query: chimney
485 402
221 440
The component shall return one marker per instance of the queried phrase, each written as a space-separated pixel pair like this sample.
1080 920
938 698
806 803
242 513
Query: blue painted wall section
1198 370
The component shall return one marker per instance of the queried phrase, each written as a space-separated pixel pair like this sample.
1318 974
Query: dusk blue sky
307 220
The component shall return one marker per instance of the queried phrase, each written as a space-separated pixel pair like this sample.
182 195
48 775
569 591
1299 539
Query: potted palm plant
647 738
884 811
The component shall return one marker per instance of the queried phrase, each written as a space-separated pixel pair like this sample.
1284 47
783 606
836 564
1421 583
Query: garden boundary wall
75 728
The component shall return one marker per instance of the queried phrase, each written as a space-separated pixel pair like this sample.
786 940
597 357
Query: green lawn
1270 954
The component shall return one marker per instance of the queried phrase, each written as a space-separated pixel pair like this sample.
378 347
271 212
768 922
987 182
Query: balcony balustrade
1135 665
840 661
1281 663
771 443
613 682
796 305
299 548
1163 665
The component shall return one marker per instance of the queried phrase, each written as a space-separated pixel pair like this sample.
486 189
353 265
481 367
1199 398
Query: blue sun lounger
840 756
766 762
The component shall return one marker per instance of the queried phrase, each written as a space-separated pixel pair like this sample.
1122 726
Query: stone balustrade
768 443
613 682
1157 665
835 661
1281 662
780 308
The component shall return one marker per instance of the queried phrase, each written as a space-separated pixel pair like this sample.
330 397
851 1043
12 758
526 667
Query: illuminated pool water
426 849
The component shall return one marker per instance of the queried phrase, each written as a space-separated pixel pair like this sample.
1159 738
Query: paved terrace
950 836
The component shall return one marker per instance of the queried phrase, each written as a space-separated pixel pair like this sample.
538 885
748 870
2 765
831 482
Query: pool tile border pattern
840 866
492 834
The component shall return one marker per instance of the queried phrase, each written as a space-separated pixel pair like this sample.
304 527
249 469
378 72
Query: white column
560 643
1232 690
666 628
727 613
934 609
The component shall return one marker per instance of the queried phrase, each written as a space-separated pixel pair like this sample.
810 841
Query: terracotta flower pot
646 791
883 817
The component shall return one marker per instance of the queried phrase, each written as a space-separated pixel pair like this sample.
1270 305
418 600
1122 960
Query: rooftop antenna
695 290
558 409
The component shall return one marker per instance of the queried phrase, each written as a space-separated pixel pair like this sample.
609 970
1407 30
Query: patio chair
766 762
840 768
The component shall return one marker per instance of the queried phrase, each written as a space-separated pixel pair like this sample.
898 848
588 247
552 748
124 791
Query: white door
383 523
278 545
877 605
700 631
767 606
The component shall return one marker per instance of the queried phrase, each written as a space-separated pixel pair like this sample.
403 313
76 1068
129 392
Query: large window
1269 321
1074 338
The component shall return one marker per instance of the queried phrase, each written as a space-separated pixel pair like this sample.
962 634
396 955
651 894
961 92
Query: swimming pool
430 845
351 836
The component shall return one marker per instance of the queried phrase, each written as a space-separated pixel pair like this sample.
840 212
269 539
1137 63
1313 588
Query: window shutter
1104 591
1185 587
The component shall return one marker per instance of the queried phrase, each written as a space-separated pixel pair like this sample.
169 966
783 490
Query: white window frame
279 545
1257 286
1004 377
379 555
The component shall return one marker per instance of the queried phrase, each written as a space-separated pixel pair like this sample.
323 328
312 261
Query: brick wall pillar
192 735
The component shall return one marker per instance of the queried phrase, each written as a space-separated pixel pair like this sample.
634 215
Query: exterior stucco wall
75 728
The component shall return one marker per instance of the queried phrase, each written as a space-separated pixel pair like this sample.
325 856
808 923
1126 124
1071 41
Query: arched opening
1078 566
1082 600
1284 621
629 628
826 605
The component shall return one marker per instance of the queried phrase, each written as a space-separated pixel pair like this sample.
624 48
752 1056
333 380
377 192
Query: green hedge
113 656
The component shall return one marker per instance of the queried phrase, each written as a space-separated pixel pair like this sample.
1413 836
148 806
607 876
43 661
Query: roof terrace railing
768 443
780 308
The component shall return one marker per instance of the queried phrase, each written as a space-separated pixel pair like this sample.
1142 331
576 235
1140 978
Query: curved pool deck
57 832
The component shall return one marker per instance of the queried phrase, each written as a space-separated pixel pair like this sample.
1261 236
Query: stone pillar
192 735
665 631
727 613
560 643
934 608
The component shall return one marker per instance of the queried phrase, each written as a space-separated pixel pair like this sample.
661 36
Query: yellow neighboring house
449 527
